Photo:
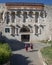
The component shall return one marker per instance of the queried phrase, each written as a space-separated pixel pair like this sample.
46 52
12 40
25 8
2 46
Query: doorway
25 38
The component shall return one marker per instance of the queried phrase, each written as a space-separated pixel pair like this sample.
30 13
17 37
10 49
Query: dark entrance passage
25 38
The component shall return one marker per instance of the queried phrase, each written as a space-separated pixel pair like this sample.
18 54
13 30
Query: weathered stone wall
45 34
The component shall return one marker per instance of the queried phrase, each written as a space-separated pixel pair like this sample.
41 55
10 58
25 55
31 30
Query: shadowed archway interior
24 29
25 37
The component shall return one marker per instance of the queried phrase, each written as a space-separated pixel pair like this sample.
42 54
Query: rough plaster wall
48 9
2 8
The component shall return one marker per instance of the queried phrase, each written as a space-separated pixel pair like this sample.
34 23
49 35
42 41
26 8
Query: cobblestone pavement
21 57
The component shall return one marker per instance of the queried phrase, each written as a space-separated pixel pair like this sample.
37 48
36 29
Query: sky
47 2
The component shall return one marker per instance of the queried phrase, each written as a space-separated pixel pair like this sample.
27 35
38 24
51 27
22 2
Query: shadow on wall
18 59
14 44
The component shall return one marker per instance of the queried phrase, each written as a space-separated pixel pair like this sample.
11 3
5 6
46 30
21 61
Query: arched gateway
25 34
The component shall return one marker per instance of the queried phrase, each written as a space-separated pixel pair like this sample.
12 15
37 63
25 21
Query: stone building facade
26 22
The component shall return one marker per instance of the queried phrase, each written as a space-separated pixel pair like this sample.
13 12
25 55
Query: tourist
31 46
26 47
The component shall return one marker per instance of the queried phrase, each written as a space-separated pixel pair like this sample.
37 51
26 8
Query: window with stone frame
1 16
7 17
30 13
18 13
36 16
13 16
7 30
36 29
40 31
12 30
16 31
43 14
24 16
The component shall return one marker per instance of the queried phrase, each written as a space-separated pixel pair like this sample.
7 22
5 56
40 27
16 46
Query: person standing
31 46
26 47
